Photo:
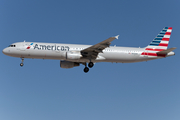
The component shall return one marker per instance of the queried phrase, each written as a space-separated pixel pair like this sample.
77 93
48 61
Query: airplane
72 55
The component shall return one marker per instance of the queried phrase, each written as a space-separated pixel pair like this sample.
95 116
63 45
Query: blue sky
41 90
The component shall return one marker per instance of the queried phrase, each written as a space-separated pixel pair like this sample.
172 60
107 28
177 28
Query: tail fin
161 41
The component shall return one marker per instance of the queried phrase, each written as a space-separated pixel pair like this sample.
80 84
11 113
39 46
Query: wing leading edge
93 51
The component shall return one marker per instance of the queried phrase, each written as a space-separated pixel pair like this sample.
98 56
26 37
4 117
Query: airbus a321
71 55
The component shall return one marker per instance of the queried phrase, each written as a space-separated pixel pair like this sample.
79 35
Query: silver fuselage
57 51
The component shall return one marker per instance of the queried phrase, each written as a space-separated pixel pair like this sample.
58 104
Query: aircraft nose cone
5 51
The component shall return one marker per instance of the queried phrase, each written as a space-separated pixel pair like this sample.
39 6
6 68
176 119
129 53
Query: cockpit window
12 46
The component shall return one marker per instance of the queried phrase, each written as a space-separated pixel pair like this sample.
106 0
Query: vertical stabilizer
161 41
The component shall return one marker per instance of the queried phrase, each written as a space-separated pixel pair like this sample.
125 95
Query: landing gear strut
22 60
86 69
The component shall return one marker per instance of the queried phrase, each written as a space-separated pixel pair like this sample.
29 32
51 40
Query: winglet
117 36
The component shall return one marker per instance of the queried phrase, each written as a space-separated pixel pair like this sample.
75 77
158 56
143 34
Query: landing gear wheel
86 69
91 64
21 64
22 60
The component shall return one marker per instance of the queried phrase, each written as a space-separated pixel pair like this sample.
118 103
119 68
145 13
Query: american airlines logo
51 47
29 46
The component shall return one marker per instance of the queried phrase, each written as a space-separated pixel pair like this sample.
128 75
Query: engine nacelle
73 55
67 64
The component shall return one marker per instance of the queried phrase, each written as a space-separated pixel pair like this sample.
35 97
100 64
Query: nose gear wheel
22 60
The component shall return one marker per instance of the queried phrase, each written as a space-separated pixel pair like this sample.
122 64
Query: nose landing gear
22 60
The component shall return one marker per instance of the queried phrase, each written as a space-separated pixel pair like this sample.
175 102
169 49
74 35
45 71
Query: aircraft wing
93 51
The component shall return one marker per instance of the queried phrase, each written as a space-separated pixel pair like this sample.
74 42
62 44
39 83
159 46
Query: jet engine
68 64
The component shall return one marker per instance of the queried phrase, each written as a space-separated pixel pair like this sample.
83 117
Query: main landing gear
22 60
86 69
90 65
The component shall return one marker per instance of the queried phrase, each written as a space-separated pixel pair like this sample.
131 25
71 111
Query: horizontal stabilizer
166 51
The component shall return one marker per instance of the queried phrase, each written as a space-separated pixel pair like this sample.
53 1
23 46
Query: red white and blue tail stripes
159 43
162 39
